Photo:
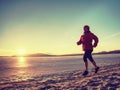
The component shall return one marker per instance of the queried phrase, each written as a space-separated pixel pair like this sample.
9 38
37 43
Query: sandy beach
108 78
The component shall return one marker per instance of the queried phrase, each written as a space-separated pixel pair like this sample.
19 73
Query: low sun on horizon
21 52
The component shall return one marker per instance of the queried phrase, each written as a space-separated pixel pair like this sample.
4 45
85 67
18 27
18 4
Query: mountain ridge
50 55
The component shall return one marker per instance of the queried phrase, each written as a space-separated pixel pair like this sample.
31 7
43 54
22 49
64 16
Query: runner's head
86 29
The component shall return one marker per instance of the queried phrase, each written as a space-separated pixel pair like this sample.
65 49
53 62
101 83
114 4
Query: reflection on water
22 62
21 72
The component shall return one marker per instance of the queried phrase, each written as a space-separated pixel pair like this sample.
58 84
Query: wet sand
108 78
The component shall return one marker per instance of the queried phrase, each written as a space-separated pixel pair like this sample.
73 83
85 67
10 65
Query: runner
87 46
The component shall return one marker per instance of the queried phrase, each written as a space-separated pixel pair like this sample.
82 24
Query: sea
14 69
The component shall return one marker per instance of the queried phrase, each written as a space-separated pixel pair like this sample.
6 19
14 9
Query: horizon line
71 54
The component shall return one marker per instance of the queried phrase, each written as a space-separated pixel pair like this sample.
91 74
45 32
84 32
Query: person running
87 45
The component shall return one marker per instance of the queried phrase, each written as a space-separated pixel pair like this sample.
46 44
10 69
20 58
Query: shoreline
108 77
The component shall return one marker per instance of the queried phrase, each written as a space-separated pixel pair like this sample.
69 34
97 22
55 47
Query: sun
21 52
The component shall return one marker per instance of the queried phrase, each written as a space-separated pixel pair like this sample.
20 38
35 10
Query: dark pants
88 55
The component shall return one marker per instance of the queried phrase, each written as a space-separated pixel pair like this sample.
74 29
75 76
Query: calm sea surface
23 68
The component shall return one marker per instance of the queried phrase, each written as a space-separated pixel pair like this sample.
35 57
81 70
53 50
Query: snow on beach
108 78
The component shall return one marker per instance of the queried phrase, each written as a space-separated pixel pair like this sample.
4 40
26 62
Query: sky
54 26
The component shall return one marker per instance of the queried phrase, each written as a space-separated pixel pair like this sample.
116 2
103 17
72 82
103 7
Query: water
23 68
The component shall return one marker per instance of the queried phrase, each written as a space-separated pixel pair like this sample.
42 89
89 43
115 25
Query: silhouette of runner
87 46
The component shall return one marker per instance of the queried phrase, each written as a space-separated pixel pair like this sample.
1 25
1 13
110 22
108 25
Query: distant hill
35 55
48 55
39 55
103 52
109 52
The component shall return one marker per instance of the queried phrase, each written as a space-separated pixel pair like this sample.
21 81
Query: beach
108 78
49 44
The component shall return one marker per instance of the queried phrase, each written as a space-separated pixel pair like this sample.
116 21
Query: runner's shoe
85 73
96 69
